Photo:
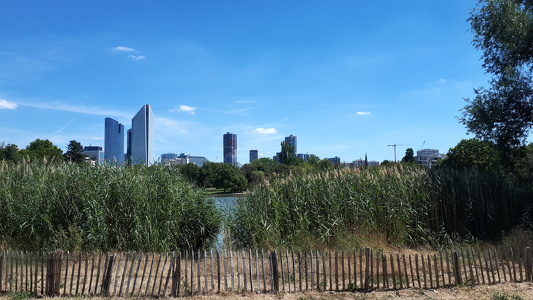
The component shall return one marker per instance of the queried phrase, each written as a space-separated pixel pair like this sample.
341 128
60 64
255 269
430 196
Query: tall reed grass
399 205
60 205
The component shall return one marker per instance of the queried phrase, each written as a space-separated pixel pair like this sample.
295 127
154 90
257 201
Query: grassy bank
53 205
398 205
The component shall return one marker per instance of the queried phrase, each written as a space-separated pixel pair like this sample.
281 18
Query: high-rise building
230 149
141 137
114 142
254 154
293 140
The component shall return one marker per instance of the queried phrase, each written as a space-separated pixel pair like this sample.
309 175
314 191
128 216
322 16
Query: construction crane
395 145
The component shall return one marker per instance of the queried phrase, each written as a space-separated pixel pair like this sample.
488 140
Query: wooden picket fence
186 273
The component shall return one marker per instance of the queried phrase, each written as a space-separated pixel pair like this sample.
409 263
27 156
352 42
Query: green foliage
504 296
225 176
503 113
20 295
409 156
10 153
401 204
40 149
473 153
287 156
74 153
68 206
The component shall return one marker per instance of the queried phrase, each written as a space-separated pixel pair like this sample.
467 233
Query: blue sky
348 78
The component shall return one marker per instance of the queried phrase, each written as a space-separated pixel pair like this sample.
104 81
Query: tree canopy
409 156
503 112
39 149
473 153
74 152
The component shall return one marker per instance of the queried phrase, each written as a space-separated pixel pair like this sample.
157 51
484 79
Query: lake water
225 204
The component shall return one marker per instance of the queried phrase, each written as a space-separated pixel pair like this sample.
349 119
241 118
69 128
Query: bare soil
505 291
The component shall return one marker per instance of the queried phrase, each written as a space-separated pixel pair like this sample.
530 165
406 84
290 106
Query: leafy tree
503 113
10 153
74 152
193 173
264 164
225 176
313 160
287 156
409 156
325 164
39 149
473 153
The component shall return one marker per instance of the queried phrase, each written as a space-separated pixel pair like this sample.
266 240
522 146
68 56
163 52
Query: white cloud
362 113
137 57
124 49
4 104
266 130
185 108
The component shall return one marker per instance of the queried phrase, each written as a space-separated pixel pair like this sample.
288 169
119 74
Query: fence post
456 268
57 272
1 268
275 273
49 275
527 262
106 282
176 275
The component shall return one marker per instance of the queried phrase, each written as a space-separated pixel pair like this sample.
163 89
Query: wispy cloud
78 109
265 130
124 49
137 57
185 108
362 113
241 111
4 104
65 126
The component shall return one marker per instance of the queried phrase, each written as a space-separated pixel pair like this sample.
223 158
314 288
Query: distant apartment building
293 140
141 137
94 154
171 159
114 142
304 156
2 145
254 154
359 163
168 156
428 157
230 148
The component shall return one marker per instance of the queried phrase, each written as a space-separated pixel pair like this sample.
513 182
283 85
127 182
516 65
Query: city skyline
347 78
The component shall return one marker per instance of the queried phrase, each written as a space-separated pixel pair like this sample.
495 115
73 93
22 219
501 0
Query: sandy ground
508 291
505 291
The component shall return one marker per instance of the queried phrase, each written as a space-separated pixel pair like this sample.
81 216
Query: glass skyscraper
230 149
254 154
114 142
293 140
141 137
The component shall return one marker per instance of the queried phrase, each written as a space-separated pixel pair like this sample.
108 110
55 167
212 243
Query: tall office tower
142 137
293 140
254 154
128 146
114 142
230 149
